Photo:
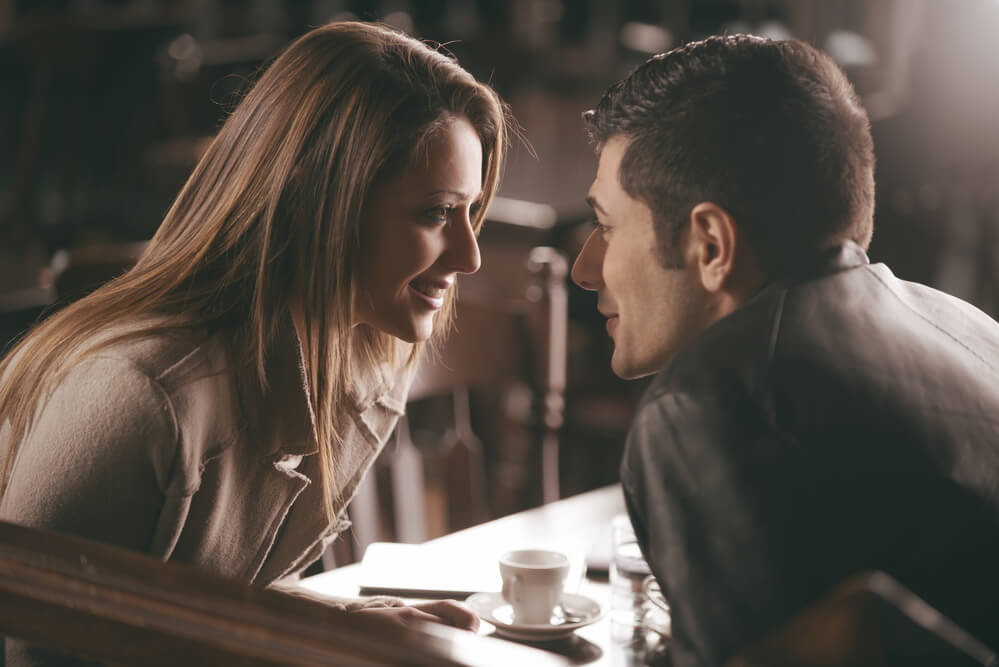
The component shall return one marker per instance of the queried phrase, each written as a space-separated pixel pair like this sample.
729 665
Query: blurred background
106 105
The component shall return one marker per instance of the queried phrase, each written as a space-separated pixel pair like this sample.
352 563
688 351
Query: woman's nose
587 270
463 247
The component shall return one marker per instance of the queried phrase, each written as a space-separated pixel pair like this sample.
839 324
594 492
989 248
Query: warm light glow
850 49
645 37
400 21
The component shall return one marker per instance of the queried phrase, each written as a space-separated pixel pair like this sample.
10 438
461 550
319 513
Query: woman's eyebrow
458 193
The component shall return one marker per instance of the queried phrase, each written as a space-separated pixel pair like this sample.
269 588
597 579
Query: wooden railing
104 603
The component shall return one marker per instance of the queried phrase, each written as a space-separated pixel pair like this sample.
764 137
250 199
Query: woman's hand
447 612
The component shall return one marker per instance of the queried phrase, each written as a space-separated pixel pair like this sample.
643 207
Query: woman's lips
431 302
611 324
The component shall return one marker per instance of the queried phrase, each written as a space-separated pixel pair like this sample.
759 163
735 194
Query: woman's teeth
431 291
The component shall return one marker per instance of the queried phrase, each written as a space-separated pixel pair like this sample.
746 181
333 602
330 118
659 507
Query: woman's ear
713 245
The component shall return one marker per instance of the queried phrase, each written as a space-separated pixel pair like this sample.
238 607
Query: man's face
651 311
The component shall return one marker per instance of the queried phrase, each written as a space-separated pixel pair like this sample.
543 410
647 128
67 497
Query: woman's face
416 235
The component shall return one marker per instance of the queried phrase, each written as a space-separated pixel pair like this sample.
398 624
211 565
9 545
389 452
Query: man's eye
602 228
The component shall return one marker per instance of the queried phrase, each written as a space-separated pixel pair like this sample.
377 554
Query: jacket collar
833 259
280 415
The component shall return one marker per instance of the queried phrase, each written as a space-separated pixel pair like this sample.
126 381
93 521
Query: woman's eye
437 214
602 228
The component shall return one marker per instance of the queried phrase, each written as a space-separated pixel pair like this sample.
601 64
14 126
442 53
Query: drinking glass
628 571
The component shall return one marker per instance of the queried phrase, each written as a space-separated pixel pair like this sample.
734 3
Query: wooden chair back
510 339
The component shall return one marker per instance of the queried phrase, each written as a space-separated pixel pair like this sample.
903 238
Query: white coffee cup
533 580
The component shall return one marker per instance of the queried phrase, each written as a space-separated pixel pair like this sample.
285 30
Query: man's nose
462 254
587 270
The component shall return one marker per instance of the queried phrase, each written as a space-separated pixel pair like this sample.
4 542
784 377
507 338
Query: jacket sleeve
707 484
87 466
292 586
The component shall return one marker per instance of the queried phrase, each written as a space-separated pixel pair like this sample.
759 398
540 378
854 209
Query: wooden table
572 526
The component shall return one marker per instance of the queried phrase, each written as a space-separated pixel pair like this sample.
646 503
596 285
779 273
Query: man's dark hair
771 131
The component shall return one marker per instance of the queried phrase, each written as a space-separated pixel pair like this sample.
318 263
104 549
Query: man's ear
713 245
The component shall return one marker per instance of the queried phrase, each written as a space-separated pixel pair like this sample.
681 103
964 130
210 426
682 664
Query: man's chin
630 369
623 370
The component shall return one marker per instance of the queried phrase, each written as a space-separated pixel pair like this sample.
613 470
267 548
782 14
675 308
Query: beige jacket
164 445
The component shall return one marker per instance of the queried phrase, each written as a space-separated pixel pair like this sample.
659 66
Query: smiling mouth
426 289
430 295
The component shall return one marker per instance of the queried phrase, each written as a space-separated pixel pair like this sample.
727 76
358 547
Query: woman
218 404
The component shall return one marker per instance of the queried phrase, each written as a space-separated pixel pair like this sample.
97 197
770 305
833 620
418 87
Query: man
813 416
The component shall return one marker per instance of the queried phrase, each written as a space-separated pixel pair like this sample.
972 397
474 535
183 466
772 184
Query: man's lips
612 319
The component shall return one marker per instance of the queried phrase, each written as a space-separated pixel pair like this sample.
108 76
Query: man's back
845 423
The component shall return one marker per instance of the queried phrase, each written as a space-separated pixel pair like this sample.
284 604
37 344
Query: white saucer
491 608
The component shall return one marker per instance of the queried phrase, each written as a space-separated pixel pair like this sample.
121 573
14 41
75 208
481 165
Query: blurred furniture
79 271
19 310
84 104
510 328
110 604
51 44
508 348
870 620
71 274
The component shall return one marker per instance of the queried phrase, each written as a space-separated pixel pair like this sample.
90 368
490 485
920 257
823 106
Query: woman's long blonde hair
271 215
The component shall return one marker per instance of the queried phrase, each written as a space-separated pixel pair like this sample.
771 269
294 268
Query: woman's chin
406 329
419 332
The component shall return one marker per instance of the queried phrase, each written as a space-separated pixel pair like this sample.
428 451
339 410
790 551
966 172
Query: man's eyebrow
595 205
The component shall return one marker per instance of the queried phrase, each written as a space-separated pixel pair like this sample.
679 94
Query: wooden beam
106 603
